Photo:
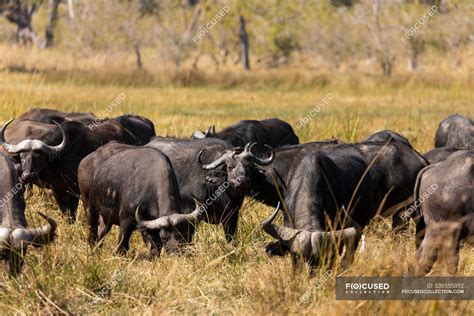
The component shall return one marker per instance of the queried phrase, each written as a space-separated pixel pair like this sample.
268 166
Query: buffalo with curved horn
169 221
313 246
15 237
51 159
32 144
111 197
273 132
220 200
393 168
236 171
243 154
322 182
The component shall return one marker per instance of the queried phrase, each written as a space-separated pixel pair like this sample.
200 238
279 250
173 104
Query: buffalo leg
398 224
126 230
230 226
93 221
420 230
452 261
450 246
152 237
104 228
427 254
67 204
145 237
296 263
155 244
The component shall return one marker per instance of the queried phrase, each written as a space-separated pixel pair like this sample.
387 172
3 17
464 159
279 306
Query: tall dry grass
214 276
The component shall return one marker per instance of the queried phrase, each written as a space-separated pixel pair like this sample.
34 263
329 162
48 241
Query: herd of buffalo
327 191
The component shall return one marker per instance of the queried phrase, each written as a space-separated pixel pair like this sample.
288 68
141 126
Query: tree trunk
416 47
387 68
20 15
224 54
70 9
244 39
138 56
412 63
52 21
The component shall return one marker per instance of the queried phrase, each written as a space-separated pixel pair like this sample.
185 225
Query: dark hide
58 170
455 131
118 180
272 132
388 135
445 191
440 154
210 188
15 237
140 127
48 116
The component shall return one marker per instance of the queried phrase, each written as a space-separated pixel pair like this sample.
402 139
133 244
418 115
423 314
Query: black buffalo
394 166
21 130
272 132
140 127
209 188
455 131
389 135
445 192
439 154
328 201
49 116
15 237
120 183
51 160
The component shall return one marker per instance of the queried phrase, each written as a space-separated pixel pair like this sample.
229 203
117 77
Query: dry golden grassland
214 276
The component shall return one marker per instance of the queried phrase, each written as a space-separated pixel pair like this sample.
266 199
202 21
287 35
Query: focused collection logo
367 287
404 288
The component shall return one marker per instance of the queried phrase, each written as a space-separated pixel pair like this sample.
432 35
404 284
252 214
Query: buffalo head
34 153
15 241
313 246
174 229
239 163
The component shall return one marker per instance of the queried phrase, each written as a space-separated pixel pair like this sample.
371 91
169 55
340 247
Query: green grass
213 276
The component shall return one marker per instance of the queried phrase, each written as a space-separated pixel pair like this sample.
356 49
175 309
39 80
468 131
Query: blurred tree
244 39
381 39
52 21
416 46
176 23
20 12
328 33
457 30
